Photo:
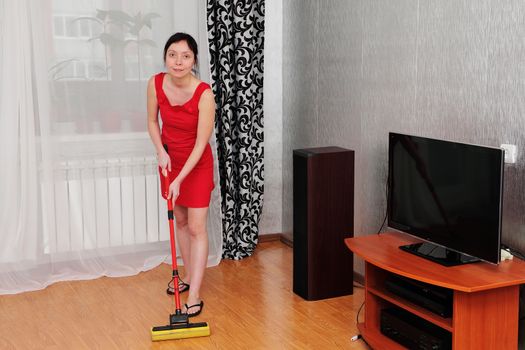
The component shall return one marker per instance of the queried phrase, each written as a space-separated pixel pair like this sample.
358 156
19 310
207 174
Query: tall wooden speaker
323 216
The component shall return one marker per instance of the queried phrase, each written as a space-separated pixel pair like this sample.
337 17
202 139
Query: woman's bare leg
197 220
183 239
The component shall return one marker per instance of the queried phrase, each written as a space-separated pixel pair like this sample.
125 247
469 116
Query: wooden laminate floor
249 304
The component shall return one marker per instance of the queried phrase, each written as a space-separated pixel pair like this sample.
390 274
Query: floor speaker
323 216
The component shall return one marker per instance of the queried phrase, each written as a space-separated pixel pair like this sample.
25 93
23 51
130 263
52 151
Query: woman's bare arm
154 128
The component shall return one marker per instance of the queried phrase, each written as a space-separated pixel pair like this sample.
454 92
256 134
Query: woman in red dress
187 109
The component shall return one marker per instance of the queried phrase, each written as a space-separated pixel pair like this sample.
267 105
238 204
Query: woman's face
179 59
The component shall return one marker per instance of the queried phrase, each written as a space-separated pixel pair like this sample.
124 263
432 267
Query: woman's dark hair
175 38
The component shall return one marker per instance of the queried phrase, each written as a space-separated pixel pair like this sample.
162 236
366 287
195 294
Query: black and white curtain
236 38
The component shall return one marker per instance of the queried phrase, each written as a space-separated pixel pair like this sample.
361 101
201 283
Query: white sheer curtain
79 195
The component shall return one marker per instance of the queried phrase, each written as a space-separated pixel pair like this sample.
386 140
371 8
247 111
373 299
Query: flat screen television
449 194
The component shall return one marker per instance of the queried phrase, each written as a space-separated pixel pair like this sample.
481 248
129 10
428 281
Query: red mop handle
170 220
175 273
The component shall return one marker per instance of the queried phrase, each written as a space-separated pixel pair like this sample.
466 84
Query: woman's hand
173 191
164 162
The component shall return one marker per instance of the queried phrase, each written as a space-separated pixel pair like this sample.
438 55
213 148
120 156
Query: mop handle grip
167 185
166 192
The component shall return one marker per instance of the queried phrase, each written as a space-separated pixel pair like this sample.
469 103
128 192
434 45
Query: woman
187 109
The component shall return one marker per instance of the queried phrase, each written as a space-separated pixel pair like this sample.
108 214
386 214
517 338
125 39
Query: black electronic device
412 331
437 299
449 194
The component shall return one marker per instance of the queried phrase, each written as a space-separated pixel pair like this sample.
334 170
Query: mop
179 326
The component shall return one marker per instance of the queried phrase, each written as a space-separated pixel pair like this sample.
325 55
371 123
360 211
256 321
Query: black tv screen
448 194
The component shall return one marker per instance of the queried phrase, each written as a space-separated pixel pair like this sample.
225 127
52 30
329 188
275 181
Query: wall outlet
510 153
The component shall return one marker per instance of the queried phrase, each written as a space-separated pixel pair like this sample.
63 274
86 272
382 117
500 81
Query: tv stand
438 254
485 296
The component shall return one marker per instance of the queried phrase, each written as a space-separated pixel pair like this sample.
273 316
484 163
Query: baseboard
359 278
269 237
286 238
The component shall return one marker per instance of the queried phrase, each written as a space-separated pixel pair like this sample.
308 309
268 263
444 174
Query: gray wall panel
389 58
300 89
506 106
339 74
445 69
452 70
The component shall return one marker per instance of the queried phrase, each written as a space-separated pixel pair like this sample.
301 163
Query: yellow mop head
180 331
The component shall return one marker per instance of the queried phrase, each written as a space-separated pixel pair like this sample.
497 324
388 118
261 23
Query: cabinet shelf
376 340
445 323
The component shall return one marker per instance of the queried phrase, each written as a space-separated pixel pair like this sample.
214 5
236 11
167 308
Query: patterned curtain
236 38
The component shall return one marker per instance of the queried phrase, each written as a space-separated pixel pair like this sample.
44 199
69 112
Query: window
104 53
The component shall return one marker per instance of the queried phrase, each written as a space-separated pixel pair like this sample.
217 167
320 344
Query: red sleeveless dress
179 133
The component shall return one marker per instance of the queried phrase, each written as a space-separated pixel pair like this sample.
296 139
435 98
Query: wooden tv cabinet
486 296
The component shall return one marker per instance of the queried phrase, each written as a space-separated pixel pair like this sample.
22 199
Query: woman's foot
194 309
183 286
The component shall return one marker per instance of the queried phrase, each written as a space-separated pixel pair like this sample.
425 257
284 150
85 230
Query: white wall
271 219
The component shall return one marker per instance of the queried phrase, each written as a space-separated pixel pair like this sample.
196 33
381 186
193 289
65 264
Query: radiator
104 203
